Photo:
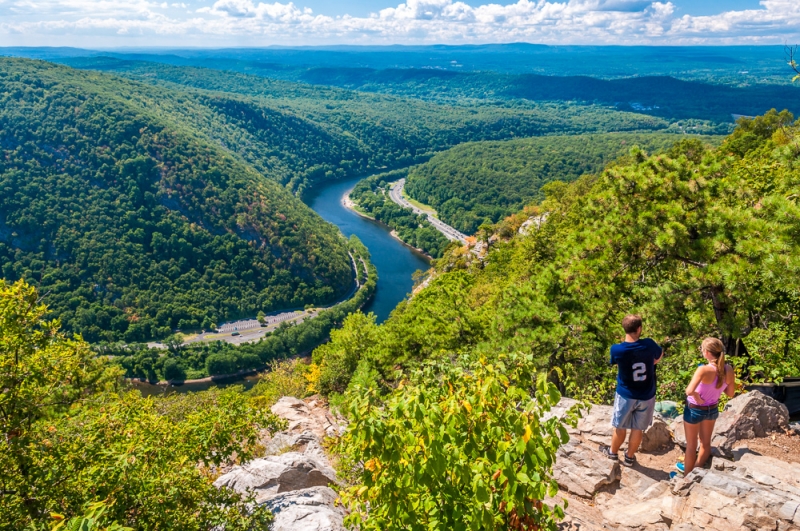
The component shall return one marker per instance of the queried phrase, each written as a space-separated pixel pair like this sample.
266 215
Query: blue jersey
636 368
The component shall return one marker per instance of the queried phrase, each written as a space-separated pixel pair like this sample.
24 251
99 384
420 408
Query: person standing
702 402
635 399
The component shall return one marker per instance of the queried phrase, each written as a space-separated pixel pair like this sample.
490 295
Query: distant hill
483 182
132 222
662 96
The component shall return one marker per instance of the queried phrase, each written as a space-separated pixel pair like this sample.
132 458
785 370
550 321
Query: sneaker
680 468
673 475
629 461
606 451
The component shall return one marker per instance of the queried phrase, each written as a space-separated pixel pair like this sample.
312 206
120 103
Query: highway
396 195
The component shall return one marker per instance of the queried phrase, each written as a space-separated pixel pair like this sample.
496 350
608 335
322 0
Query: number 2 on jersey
639 372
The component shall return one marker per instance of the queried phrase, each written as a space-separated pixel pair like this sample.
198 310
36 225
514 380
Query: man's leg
620 421
617 438
641 419
634 442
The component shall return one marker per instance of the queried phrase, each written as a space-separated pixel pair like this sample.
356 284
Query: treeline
132 225
181 362
482 183
371 196
347 133
662 96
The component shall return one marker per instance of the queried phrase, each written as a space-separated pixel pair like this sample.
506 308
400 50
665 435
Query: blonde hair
717 349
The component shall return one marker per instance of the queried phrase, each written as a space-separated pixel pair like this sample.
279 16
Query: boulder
305 443
312 509
646 514
582 471
747 416
310 415
596 426
277 474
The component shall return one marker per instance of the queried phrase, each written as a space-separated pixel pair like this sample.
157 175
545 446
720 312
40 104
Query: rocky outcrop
311 509
595 426
293 479
275 474
751 493
309 415
583 472
745 417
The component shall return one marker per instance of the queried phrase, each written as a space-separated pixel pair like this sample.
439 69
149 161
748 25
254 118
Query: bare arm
730 380
660 357
691 388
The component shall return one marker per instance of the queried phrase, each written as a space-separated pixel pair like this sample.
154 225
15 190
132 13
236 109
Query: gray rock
312 509
582 471
310 415
305 443
745 417
646 514
596 426
276 474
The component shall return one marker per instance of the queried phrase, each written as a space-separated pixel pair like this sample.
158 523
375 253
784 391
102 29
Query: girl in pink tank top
709 393
702 398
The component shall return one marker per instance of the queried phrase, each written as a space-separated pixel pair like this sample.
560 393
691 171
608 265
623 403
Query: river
394 261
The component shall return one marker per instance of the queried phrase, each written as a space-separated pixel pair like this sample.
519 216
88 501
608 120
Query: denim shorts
696 416
632 414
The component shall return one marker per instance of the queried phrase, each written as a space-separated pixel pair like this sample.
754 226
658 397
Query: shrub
464 448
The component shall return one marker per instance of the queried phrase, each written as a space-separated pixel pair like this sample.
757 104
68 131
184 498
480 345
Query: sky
231 23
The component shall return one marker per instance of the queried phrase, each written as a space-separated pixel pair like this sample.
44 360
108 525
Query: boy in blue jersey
635 399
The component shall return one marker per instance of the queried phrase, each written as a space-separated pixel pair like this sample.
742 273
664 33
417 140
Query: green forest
132 225
198 360
368 131
483 182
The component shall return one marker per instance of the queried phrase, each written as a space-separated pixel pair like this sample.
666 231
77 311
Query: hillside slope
484 182
369 131
132 224
699 241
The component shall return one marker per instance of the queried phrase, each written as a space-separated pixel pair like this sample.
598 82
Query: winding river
394 261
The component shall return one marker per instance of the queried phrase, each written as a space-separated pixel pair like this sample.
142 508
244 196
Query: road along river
394 261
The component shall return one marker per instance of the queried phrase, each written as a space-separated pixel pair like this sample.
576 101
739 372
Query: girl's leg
692 432
706 431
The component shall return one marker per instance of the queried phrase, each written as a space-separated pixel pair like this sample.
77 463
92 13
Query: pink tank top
708 392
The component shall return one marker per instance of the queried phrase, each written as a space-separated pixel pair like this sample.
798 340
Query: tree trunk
733 346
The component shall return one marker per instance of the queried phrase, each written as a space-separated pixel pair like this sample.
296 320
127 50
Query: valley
376 288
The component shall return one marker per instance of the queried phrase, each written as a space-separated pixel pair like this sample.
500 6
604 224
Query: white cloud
233 22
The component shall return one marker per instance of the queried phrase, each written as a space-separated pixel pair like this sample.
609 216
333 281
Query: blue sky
216 23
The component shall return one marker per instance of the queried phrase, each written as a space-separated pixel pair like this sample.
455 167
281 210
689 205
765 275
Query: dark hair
631 323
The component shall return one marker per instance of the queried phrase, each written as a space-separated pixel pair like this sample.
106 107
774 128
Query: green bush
458 446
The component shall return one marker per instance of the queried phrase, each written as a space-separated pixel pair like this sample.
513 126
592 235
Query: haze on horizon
232 23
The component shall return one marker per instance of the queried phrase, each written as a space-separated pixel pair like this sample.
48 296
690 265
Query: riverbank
353 207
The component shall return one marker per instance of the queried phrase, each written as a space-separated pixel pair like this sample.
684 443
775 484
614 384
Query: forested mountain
484 182
662 96
132 223
364 132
